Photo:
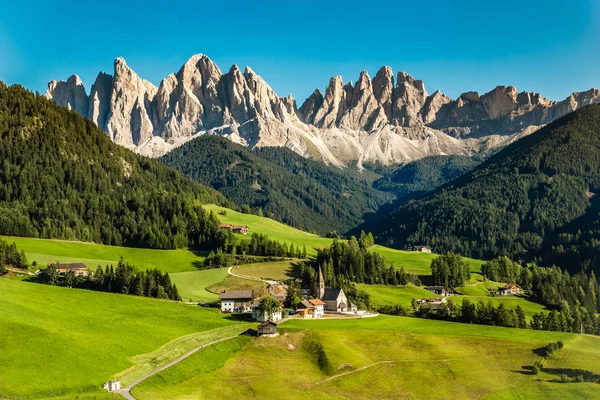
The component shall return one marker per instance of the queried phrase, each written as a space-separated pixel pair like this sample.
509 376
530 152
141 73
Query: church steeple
320 285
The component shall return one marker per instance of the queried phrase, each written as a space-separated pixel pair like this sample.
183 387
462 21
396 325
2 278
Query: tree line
124 279
10 256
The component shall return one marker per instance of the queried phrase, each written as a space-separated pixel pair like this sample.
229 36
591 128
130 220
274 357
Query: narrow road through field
126 392
272 286
351 372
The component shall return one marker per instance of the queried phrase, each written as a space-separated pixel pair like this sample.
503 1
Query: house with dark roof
421 248
334 298
268 329
236 300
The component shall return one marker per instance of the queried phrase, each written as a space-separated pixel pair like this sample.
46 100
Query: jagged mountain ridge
380 120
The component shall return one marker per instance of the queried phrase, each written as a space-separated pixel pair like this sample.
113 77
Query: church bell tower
320 285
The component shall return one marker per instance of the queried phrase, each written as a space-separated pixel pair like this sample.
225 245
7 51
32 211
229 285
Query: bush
560 344
535 370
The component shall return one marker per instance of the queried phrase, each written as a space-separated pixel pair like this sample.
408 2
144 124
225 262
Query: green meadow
60 342
275 270
192 284
275 230
382 357
46 251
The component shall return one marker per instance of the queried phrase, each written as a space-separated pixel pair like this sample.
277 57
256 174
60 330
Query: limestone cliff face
383 119
70 94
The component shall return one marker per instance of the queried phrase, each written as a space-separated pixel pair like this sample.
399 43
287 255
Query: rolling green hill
300 192
62 177
60 342
529 201
399 357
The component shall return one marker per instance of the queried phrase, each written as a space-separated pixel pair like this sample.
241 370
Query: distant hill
62 177
534 200
285 186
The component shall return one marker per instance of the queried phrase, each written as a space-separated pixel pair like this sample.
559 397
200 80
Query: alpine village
172 227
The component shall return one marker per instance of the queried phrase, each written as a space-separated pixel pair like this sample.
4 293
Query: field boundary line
126 392
351 372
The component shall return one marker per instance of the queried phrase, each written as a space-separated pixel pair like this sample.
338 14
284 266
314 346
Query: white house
258 315
236 301
311 308
112 386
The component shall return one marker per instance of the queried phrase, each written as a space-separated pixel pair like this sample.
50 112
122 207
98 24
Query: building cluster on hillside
241 229
78 269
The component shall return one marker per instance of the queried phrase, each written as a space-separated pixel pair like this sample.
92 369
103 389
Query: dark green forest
535 201
281 184
423 175
62 177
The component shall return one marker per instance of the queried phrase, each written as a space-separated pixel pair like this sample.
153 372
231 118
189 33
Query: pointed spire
320 285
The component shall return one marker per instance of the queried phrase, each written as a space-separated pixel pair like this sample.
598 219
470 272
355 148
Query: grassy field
417 262
192 284
405 358
277 270
234 283
60 342
275 230
382 295
46 251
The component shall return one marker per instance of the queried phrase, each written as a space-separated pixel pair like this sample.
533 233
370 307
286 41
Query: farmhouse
422 249
334 298
510 289
242 229
258 315
268 329
236 300
311 308
77 268
438 290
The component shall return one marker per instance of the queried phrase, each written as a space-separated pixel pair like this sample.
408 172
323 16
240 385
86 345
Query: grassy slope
431 359
45 251
276 270
192 284
64 342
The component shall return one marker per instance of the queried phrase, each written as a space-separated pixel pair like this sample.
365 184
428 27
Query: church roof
332 294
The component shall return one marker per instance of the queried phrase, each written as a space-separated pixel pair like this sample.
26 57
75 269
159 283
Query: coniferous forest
536 200
280 184
62 177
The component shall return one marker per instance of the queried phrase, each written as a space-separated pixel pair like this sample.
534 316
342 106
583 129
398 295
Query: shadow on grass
527 370
239 317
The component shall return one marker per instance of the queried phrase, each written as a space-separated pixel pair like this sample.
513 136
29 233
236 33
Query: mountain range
387 119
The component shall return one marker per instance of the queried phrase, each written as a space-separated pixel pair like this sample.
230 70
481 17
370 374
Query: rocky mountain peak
385 119
70 94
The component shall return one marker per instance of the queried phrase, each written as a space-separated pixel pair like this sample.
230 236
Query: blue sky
551 47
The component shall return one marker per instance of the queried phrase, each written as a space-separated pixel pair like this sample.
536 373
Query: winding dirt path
126 392
351 372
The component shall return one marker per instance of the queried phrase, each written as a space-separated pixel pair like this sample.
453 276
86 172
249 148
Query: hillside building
334 298
78 269
422 249
311 308
236 301
509 289
258 315
268 329
241 229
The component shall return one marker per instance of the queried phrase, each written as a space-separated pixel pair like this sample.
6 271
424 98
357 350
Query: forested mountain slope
425 174
62 177
524 202
300 192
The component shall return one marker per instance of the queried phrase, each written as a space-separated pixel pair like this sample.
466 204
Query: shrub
560 344
535 370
